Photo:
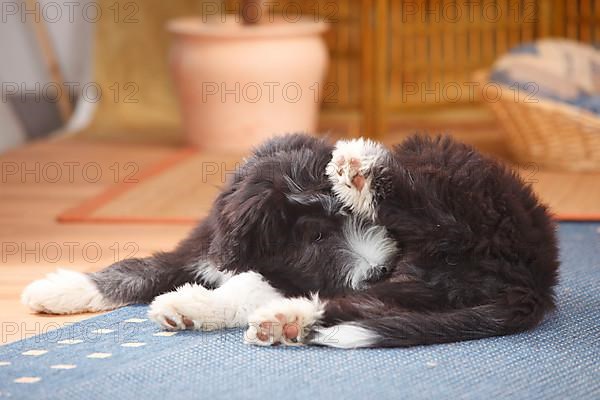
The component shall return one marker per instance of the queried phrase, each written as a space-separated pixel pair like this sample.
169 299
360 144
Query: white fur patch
266 325
345 336
351 158
371 248
194 307
65 292
209 272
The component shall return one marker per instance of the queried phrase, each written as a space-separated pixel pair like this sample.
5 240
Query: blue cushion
556 69
589 103
525 48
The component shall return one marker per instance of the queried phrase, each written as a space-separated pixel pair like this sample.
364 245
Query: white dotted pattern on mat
34 353
28 379
70 341
63 366
99 355
133 344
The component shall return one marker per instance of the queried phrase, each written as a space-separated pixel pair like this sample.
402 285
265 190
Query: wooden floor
39 181
43 179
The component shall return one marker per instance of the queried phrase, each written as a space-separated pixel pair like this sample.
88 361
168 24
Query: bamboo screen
578 19
433 47
394 59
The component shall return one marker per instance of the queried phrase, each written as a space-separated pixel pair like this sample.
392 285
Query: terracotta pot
239 85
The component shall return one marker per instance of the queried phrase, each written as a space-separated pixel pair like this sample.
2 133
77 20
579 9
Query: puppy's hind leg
134 280
129 281
66 292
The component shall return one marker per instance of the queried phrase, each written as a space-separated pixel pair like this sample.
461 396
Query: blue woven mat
121 355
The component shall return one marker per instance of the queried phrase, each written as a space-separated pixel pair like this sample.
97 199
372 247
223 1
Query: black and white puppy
352 246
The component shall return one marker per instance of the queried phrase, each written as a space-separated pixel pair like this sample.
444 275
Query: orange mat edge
83 213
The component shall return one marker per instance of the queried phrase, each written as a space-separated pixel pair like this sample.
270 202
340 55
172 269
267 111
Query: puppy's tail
130 281
403 329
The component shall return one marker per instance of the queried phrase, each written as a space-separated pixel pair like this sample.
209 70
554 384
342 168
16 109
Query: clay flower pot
240 84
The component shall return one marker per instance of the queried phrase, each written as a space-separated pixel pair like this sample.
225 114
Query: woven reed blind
393 59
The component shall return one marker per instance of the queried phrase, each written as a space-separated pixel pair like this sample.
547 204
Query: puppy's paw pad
285 322
276 329
350 172
351 159
164 312
181 309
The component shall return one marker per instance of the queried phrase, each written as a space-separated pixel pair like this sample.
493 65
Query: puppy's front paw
286 321
350 173
188 307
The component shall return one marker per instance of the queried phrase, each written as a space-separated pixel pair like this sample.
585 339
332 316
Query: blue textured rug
122 355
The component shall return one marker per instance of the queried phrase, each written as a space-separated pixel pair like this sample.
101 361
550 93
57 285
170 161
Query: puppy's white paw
65 292
349 172
286 321
188 307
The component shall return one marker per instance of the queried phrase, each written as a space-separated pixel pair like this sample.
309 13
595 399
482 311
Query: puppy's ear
257 216
313 200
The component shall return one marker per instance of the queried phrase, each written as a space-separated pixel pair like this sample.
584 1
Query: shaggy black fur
477 251
277 216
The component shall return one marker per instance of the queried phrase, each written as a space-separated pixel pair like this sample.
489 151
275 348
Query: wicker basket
549 133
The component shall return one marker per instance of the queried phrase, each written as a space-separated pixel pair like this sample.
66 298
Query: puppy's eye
318 237
450 260
339 171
